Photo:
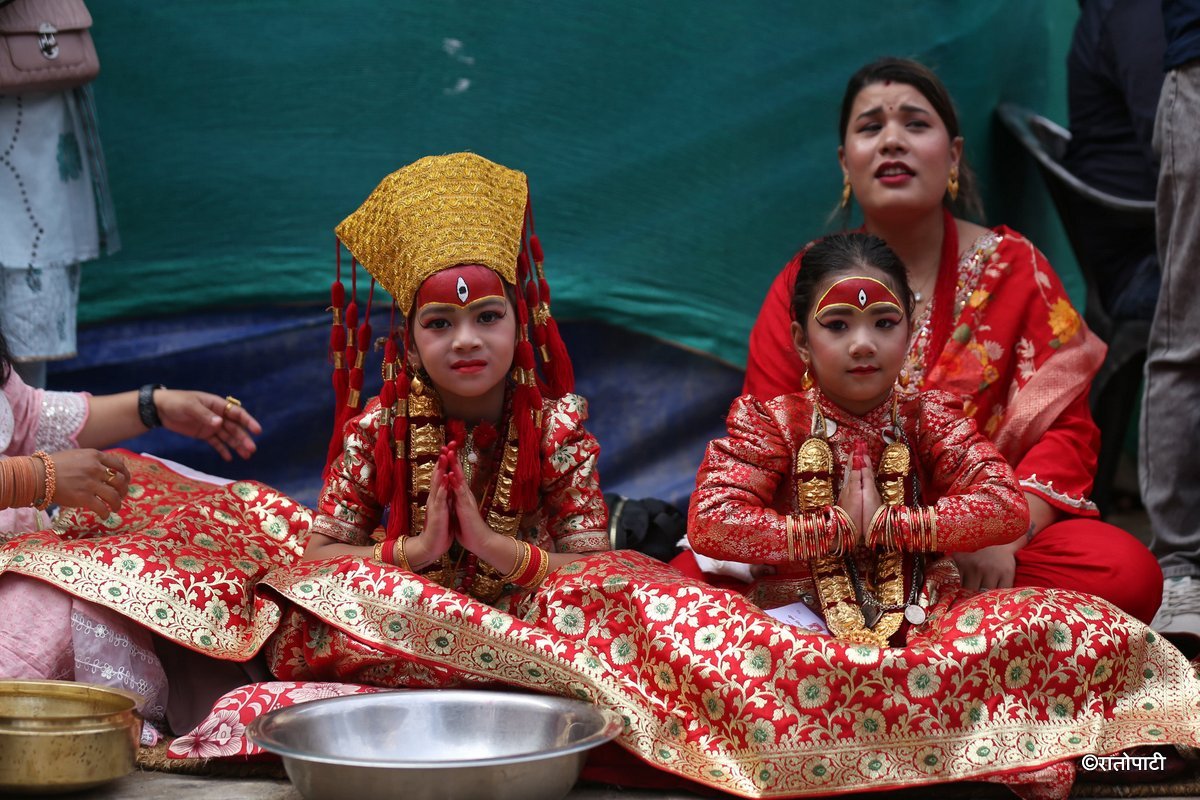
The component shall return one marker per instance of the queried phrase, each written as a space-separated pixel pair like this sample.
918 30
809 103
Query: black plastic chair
1115 390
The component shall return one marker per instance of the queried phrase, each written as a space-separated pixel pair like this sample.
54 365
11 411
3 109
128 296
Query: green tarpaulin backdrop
679 151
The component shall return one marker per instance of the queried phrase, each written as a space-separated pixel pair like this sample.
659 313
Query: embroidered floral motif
172 568
1064 322
222 733
768 711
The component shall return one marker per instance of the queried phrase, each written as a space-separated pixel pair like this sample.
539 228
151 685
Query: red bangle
535 570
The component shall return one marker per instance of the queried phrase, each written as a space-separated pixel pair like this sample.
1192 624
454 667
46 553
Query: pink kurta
34 419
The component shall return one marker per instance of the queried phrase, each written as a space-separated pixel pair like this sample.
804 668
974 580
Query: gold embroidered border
188 625
533 659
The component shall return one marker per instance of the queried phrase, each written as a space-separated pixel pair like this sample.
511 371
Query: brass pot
60 736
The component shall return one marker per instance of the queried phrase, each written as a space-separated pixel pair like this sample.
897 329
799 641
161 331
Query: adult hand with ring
90 479
220 421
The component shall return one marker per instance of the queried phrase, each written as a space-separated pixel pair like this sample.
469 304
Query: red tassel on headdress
384 454
557 371
399 523
337 348
527 410
363 344
342 393
526 407
560 375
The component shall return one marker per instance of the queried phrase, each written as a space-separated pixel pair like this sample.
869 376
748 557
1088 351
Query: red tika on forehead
459 286
857 292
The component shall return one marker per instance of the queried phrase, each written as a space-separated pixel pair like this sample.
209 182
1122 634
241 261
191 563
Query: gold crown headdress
439 212
436 213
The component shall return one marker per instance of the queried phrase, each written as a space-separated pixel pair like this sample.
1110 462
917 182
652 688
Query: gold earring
845 191
806 380
952 185
415 386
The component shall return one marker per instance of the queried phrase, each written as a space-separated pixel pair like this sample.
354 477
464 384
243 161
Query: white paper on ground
800 616
712 566
188 472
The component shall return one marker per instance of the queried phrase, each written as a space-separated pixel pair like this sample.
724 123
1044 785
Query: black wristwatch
147 411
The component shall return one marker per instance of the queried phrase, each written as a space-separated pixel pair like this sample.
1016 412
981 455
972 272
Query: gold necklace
470 458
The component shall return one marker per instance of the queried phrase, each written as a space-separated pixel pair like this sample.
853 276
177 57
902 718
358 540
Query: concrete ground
166 786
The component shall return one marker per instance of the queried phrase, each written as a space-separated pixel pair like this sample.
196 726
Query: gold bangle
523 553
400 558
877 528
18 481
377 552
542 571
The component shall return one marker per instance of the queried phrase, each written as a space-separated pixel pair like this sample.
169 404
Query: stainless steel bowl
61 736
435 744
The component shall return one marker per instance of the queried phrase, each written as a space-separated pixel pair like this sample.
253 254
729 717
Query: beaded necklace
427 436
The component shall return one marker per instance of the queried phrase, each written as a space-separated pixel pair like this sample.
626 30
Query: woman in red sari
992 326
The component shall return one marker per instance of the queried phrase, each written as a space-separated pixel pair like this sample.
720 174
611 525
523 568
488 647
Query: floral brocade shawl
181 557
711 688
714 690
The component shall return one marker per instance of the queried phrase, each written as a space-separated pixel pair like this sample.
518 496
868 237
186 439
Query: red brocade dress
960 494
1001 335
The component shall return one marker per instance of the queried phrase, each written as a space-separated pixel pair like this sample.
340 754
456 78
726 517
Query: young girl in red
849 488
484 466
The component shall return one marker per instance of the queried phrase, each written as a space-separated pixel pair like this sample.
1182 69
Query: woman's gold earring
415 386
952 185
846 191
806 380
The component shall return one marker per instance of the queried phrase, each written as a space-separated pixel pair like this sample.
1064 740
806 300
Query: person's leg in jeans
1169 463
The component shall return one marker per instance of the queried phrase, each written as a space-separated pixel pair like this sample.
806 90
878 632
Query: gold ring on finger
230 402
110 473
